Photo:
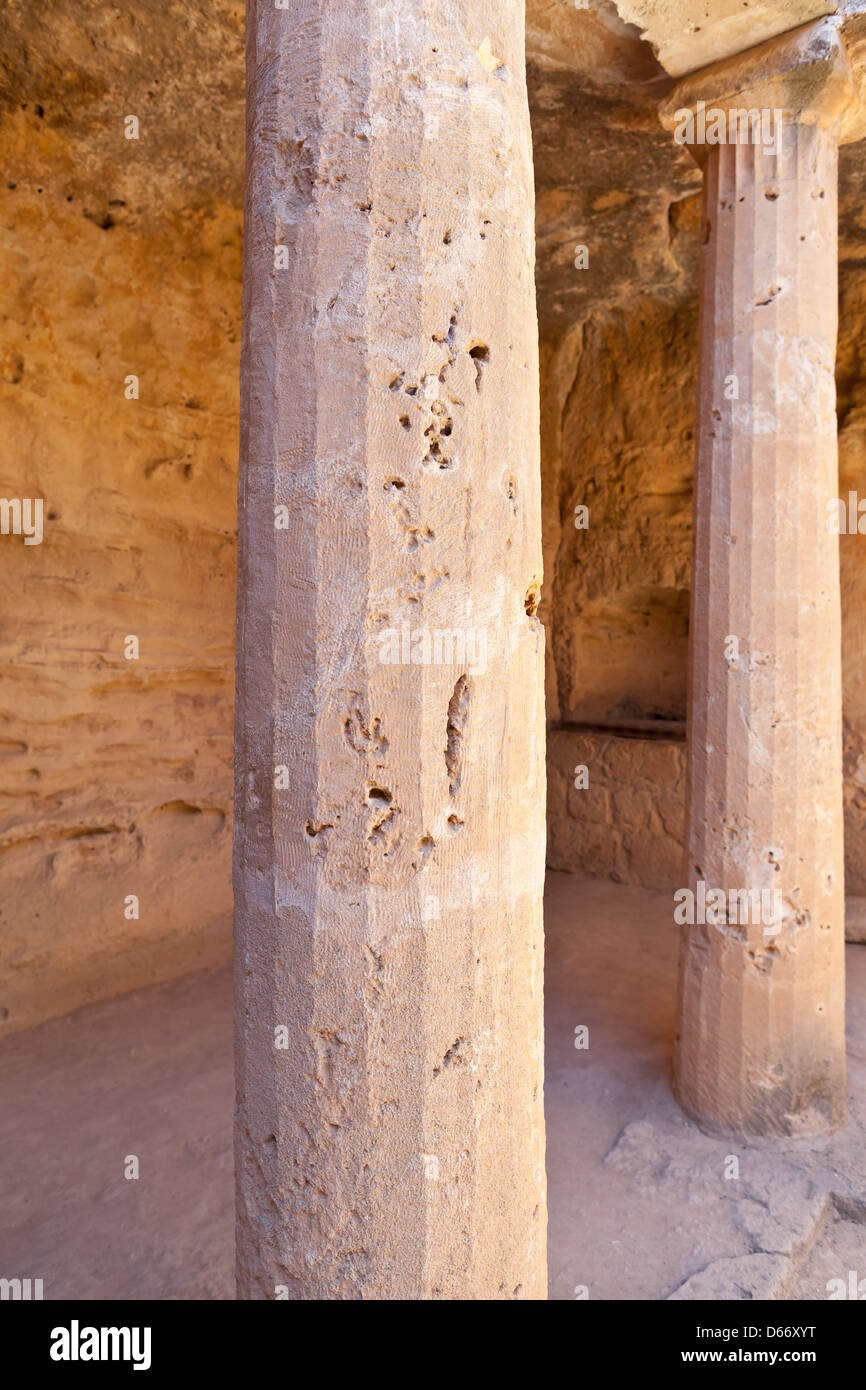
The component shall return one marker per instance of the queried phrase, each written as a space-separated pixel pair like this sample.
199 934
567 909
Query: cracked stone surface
639 1196
741 1277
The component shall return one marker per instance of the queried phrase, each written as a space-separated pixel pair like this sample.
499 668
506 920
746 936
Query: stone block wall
626 824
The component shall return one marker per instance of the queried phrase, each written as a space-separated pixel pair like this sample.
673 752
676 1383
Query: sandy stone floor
640 1207
639 1203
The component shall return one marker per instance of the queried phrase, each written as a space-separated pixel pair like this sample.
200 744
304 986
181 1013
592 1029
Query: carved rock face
123 257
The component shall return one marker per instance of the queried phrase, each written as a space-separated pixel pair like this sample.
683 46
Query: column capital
803 76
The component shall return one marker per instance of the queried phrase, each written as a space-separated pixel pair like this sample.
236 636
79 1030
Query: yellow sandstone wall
619 606
115 774
122 257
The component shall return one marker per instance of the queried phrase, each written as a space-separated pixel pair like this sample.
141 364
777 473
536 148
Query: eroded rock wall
619 607
122 257
116 773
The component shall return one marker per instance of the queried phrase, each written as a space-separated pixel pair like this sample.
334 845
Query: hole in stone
313 829
480 354
771 295
455 729
452 1057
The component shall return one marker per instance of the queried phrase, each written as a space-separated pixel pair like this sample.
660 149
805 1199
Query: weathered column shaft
760 1045
390 739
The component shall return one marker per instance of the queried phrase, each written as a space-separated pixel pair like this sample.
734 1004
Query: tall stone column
760 1047
390 738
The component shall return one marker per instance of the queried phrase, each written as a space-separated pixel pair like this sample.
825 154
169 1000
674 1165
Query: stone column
390 739
760 1046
